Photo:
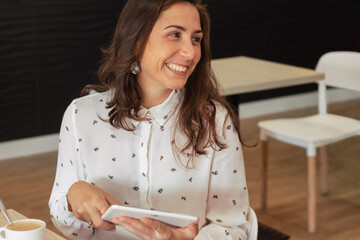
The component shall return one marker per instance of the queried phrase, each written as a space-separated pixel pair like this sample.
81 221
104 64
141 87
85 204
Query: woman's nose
187 50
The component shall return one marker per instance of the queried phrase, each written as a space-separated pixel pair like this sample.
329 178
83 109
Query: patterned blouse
139 169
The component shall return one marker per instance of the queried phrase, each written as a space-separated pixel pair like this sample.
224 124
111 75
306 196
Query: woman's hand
88 202
150 229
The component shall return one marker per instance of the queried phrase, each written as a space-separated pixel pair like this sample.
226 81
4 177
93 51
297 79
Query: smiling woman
171 54
156 134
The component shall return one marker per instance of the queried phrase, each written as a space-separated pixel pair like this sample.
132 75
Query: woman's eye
176 35
196 39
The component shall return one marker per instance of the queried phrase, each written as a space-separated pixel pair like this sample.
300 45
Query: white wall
28 146
293 102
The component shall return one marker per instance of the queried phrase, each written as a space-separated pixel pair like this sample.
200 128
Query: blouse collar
162 112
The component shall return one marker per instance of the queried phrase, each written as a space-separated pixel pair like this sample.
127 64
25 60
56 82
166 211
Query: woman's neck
153 97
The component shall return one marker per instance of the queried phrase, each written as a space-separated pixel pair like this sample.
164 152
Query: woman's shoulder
95 102
221 112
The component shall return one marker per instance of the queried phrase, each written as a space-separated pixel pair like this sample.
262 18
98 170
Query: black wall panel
50 49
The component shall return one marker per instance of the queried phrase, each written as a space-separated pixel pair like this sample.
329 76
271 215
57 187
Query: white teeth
176 68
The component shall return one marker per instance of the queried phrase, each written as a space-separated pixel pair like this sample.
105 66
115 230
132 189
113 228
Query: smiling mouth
176 68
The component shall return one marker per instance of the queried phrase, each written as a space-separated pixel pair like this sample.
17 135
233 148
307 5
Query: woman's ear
138 50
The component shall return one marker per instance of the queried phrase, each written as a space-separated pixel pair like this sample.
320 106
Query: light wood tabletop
245 74
14 215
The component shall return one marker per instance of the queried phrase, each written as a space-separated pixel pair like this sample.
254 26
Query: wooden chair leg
324 170
263 173
311 194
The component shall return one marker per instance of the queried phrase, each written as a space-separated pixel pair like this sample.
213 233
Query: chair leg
263 173
311 194
324 170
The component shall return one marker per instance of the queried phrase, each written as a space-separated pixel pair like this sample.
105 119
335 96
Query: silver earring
136 68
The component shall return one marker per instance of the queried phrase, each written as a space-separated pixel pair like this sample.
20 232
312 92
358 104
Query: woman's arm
228 201
70 193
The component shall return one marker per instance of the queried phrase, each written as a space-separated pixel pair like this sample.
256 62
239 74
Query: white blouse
139 169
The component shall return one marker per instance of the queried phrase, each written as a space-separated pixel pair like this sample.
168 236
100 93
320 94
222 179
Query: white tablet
174 219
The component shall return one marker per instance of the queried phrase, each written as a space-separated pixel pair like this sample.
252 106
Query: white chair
342 70
251 217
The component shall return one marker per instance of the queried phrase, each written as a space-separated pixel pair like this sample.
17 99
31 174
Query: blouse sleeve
69 170
228 202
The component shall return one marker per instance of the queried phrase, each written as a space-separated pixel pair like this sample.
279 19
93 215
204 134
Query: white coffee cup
25 229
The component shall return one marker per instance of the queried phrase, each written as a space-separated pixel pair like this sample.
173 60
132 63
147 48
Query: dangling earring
135 68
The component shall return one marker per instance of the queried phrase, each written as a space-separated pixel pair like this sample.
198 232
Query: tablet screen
174 219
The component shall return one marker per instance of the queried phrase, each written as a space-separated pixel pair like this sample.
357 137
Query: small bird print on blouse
214 172
136 188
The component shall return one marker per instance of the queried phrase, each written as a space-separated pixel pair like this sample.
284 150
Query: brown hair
196 118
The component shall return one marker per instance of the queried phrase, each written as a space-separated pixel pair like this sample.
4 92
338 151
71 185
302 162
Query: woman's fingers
89 202
134 226
148 228
190 231
97 221
110 200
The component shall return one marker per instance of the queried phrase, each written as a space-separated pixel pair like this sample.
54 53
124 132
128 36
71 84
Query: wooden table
17 216
245 74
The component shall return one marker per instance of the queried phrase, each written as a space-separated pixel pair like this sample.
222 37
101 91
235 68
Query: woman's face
172 51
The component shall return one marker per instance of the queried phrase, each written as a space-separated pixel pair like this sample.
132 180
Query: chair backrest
342 69
253 224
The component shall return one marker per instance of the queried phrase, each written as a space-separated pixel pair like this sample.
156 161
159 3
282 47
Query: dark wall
50 49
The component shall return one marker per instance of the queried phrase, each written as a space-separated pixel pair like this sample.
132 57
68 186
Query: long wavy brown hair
196 118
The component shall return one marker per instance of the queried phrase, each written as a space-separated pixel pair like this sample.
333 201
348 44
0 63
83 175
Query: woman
155 135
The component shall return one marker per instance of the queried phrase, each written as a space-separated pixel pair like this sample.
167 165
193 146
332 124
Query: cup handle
2 230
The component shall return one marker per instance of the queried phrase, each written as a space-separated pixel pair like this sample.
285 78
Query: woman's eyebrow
182 28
